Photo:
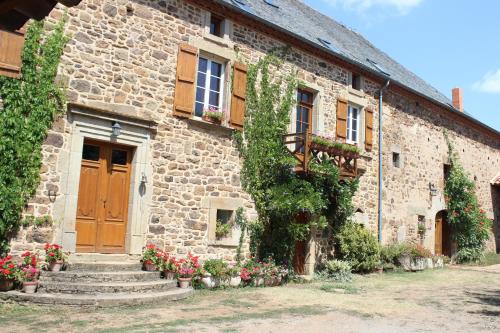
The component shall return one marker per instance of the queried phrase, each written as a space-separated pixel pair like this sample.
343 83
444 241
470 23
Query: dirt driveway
449 300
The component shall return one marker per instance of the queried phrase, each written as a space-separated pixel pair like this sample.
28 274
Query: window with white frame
209 85
353 119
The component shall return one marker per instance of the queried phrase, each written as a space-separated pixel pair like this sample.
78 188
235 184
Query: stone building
141 68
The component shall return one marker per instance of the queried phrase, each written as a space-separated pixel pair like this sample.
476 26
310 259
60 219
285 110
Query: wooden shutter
368 129
11 48
237 117
185 81
341 118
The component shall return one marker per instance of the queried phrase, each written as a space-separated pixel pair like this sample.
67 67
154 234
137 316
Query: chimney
457 99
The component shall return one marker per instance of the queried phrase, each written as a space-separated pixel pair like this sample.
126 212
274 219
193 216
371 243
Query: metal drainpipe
380 173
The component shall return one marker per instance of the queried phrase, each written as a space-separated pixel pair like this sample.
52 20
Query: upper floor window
353 119
209 85
303 123
304 111
216 25
356 81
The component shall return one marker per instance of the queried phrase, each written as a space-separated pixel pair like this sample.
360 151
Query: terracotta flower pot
184 282
6 284
169 275
56 265
149 267
29 287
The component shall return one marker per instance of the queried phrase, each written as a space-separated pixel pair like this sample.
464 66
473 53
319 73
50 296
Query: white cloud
490 83
402 7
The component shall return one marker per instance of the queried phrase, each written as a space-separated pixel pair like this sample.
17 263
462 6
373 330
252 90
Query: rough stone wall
417 133
125 53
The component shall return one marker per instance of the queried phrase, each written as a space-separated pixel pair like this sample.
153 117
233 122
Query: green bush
216 267
389 254
338 270
358 246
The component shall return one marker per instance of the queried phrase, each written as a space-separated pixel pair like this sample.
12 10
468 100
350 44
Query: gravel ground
456 299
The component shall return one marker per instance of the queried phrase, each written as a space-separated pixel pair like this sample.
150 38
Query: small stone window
216 25
221 215
396 160
224 224
355 81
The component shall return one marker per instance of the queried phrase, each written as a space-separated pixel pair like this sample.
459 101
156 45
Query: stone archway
442 235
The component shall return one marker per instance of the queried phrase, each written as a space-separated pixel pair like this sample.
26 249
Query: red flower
52 254
6 271
11 266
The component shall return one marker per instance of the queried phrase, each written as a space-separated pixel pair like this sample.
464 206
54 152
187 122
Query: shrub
389 254
216 267
470 226
338 270
358 246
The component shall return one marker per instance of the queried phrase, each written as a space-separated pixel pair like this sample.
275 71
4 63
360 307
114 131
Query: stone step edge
159 282
100 300
82 272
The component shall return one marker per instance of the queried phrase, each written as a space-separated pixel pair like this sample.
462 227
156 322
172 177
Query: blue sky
448 43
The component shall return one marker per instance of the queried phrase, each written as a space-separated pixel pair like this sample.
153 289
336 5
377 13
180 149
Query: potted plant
185 270
54 256
222 229
168 266
8 273
29 277
214 115
214 272
321 143
151 257
234 275
350 151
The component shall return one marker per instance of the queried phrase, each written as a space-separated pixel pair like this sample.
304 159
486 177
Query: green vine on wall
470 226
289 206
30 106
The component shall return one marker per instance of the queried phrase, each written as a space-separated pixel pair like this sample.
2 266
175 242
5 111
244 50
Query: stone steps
107 288
101 300
98 277
99 280
102 266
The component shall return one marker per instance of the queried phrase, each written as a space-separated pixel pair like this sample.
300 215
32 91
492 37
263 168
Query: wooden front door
442 243
102 211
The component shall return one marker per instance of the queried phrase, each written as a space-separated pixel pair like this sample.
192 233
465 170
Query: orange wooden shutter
237 117
341 118
368 129
11 48
185 81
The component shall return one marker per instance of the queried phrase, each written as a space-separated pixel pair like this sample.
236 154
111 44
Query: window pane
213 98
200 94
198 109
90 152
201 79
216 69
215 83
299 113
354 137
202 65
119 157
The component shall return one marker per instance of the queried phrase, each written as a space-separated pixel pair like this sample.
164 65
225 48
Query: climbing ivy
470 226
30 105
289 206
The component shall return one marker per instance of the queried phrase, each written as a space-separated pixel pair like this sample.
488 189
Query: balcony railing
306 149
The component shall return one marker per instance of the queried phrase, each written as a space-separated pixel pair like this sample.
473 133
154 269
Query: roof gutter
355 63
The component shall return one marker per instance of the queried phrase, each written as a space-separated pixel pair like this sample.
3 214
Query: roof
15 13
297 19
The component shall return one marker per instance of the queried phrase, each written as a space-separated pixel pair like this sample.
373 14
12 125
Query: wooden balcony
305 150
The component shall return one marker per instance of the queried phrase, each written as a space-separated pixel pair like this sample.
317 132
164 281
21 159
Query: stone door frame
96 124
